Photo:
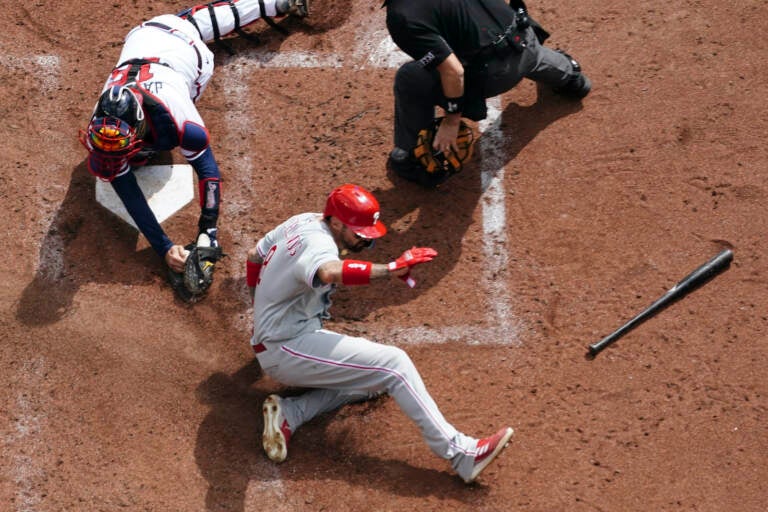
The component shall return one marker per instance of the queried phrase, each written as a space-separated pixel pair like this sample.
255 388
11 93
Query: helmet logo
375 217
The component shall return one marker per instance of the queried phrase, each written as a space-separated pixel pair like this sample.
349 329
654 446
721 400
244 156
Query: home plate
168 188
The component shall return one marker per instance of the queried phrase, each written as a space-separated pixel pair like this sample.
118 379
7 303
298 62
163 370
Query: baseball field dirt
571 218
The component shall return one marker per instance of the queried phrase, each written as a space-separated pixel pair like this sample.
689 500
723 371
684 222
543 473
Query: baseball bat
686 285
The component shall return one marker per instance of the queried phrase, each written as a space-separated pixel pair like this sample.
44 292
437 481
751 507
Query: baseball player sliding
148 105
291 272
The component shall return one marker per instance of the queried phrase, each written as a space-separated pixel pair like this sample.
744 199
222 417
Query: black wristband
454 105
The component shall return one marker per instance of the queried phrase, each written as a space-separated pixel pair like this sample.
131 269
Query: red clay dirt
116 396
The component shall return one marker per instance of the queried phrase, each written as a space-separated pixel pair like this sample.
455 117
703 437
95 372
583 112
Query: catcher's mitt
198 270
437 162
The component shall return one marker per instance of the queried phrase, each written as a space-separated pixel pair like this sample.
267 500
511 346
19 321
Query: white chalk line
21 443
25 470
495 221
46 69
374 50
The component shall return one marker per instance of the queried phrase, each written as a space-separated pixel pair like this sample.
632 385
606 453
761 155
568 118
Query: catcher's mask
357 209
115 132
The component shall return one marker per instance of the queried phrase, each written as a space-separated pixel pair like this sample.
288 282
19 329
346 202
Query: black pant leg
417 91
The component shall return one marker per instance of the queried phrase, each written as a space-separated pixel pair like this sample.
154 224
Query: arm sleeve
205 165
323 250
130 194
196 149
419 41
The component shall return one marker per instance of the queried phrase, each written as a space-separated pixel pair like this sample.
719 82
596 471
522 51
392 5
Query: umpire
464 51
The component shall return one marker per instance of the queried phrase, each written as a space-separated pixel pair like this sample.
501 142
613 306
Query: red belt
259 348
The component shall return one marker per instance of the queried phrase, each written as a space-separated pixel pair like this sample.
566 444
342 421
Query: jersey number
268 257
119 75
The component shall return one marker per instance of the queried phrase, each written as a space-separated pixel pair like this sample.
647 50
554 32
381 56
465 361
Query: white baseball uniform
166 61
290 304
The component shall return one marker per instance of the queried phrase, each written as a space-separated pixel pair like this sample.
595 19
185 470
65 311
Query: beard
358 246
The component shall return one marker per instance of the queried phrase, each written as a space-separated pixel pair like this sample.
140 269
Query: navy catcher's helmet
121 102
115 132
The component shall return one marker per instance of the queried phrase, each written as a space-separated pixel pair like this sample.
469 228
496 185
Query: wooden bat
689 283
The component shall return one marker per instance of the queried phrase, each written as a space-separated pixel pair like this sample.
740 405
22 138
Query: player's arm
452 79
359 272
352 272
129 192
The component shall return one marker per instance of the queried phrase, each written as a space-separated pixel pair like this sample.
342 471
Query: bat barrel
690 282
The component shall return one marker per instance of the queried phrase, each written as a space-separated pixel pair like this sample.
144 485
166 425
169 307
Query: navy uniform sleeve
195 146
133 198
205 165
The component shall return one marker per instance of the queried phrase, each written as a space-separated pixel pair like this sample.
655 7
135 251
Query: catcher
148 105
464 51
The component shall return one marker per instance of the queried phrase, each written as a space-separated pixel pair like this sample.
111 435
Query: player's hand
411 257
447 132
176 257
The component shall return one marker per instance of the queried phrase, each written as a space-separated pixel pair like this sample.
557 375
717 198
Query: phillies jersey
289 299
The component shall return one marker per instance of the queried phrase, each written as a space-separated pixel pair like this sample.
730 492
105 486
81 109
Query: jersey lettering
293 244
427 59
144 75
119 76
152 87
268 257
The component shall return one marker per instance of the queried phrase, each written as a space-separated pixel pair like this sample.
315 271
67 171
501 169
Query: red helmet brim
376 231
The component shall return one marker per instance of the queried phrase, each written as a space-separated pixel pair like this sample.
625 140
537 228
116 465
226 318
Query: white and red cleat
487 449
277 433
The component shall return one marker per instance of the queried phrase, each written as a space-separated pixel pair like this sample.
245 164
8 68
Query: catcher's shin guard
216 20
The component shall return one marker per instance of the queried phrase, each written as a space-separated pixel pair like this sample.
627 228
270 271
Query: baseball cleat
487 450
295 8
578 85
276 430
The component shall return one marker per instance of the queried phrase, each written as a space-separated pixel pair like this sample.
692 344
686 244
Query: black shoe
401 163
578 85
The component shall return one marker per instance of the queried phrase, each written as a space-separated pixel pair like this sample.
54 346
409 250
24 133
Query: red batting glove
411 257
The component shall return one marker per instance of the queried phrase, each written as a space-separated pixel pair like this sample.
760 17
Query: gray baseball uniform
290 303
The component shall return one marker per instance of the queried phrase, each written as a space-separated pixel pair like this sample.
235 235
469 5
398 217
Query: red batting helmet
357 209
